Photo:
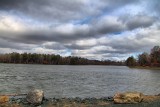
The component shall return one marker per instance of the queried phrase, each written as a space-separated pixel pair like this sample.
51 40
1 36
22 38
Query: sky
93 29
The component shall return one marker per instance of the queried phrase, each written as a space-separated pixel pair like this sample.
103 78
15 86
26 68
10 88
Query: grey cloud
62 10
75 46
124 45
140 41
138 45
107 25
111 5
64 33
12 45
54 46
66 9
137 21
104 26
45 9
140 21
5 44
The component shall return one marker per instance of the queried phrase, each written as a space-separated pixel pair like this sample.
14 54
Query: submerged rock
128 98
35 97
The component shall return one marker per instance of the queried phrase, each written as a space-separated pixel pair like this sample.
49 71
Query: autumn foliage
145 59
52 59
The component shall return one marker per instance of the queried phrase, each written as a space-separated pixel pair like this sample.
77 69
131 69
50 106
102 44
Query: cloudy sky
94 29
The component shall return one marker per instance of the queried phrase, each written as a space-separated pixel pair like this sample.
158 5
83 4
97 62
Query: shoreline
77 102
145 67
63 64
20 101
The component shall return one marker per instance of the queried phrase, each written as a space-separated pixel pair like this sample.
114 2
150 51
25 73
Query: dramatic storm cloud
94 29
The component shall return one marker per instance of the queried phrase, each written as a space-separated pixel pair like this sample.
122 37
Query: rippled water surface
77 81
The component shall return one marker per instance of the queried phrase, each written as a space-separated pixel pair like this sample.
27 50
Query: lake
77 81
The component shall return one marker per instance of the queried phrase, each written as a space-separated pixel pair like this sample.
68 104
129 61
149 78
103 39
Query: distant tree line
52 59
145 59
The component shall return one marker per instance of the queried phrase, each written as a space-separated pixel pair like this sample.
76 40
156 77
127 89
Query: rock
35 97
128 98
150 98
4 99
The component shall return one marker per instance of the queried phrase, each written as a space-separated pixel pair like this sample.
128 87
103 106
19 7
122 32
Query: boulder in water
35 97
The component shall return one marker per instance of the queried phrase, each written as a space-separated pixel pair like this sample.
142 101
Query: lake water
77 81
